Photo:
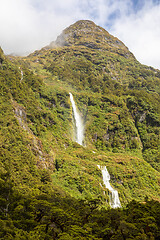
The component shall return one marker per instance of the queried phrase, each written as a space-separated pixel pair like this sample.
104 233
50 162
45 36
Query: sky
28 25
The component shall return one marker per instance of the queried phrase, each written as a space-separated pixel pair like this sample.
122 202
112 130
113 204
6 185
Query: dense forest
50 186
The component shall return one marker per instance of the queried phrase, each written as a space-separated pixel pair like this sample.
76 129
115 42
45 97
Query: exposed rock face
142 117
43 160
21 116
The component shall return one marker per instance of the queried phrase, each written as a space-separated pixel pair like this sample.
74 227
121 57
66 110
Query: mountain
43 170
88 34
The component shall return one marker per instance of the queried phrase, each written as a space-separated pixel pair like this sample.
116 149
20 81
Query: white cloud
28 25
18 25
141 33
31 24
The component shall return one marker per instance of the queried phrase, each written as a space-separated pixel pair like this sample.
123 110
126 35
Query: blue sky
32 24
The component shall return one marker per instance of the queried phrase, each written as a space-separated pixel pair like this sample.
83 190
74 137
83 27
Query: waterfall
79 127
114 198
21 74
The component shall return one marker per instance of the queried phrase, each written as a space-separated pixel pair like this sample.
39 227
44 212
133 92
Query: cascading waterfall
79 138
79 129
21 74
114 198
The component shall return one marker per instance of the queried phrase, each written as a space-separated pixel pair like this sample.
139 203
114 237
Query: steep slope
87 54
115 91
43 169
88 34
118 116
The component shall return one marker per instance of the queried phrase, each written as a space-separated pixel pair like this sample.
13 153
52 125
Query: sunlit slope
118 99
118 96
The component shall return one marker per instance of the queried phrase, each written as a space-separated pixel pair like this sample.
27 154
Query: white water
21 75
114 198
79 130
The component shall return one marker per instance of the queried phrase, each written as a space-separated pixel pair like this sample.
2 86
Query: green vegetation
49 185
55 216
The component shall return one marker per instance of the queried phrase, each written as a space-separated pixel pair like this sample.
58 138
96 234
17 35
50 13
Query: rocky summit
87 33
80 138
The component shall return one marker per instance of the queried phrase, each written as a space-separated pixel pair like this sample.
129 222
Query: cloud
28 25
18 25
32 24
141 33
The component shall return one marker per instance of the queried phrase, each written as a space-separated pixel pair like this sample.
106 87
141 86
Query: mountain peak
86 33
83 23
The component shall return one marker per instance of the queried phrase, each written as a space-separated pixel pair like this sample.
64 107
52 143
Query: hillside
111 88
43 170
